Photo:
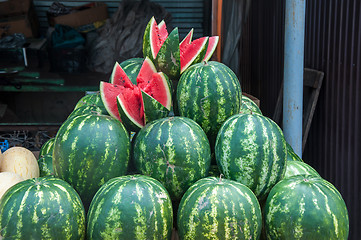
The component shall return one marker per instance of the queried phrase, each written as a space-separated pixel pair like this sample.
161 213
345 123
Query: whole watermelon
174 151
46 165
251 149
130 207
42 208
249 106
305 207
86 109
215 208
209 93
88 151
47 147
90 99
299 168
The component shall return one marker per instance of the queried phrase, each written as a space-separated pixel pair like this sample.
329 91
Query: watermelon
305 207
174 151
86 109
291 155
88 151
251 149
42 208
209 93
124 100
47 147
90 99
299 168
171 56
130 207
46 165
249 106
215 208
132 67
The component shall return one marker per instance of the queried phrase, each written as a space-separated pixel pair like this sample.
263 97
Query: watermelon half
123 99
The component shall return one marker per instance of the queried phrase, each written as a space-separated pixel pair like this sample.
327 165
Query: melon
124 100
171 56
21 161
7 180
132 67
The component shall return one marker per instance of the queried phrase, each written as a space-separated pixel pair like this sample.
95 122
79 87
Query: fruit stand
168 148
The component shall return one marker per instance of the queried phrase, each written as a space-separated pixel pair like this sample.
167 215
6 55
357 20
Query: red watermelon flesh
146 71
109 93
212 45
187 40
191 51
157 88
163 33
157 37
119 77
132 101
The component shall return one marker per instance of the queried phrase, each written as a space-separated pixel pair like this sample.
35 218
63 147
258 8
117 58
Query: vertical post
293 73
217 26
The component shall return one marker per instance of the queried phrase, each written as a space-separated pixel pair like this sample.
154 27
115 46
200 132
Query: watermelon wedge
153 109
123 99
193 53
154 37
212 45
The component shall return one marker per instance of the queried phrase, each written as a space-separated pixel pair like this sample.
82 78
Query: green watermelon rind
131 207
132 67
294 168
153 109
42 208
305 207
249 106
47 147
215 208
168 57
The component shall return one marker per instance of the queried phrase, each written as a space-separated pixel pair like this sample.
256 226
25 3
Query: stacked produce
168 142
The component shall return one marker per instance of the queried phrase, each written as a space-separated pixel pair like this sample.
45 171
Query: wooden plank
312 82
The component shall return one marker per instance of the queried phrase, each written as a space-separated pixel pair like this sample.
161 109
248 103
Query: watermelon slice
187 40
132 67
153 109
212 45
193 53
109 93
123 99
119 77
154 37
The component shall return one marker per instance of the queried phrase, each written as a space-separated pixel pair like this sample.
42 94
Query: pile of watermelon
170 145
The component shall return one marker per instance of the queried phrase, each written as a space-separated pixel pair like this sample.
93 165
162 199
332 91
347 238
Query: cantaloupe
21 161
7 180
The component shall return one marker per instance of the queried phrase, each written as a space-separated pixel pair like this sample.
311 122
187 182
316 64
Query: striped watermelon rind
215 208
305 207
173 150
130 207
251 149
209 93
42 208
90 99
88 151
294 168
87 109
47 147
249 106
46 165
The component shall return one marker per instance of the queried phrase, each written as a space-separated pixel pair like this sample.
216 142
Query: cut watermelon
153 110
212 45
109 93
187 40
193 53
131 109
154 38
119 77
125 101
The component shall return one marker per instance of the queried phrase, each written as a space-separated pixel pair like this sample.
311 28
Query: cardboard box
18 16
82 15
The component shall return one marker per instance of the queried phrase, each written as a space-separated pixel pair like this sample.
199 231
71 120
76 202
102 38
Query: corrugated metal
185 13
332 45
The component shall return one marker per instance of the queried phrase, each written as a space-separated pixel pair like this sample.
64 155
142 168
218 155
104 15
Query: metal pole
293 73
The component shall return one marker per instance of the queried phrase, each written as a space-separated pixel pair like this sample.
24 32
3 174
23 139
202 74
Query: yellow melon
7 180
21 161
